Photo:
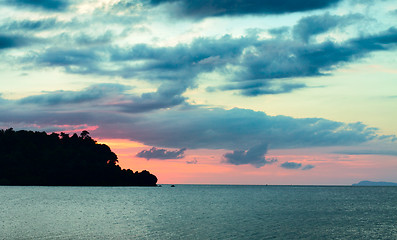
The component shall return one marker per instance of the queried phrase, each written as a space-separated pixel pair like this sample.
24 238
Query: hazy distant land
370 183
37 158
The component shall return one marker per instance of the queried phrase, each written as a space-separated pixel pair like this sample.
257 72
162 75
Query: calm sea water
198 212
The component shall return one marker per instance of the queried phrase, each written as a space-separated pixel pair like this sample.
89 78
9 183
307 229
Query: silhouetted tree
85 134
36 158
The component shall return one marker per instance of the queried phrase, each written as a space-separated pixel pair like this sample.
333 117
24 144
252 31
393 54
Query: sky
211 92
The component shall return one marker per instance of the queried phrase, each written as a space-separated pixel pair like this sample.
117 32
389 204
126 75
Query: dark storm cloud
307 167
254 156
52 5
291 165
317 24
158 153
209 8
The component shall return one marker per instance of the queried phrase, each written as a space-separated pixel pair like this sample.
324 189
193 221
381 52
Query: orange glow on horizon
204 166
118 143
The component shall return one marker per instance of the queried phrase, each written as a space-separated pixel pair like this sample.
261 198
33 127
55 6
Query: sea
198 212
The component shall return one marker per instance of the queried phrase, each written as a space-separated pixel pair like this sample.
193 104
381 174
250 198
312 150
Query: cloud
260 87
30 25
117 115
74 60
254 66
13 41
52 5
108 95
317 24
369 152
308 167
158 153
251 65
73 31
279 59
183 61
291 165
254 156
261 62
194 161
178 65
92 93
208 8
241 129
166 96
84 39
295 165
376 42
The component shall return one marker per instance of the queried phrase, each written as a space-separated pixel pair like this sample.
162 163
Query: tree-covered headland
38 158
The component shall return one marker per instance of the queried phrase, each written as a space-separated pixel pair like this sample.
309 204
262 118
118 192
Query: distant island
369 183
36 158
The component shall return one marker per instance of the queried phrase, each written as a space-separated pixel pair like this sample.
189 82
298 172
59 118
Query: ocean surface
198 212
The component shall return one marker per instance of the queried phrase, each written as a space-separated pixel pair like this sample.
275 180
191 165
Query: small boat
172 185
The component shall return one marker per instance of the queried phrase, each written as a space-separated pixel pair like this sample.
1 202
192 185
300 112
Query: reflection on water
198 212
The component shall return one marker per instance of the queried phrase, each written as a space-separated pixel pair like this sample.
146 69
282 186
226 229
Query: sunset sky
211 92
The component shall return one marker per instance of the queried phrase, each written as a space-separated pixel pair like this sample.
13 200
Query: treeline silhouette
38 158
